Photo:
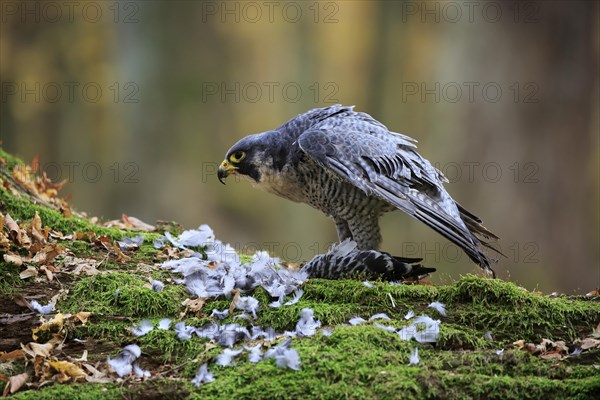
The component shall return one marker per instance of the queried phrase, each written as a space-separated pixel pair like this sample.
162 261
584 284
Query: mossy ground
354 362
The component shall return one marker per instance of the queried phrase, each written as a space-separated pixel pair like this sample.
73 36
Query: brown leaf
121 257
136 224
67 371
82 316
194 306
552 356
55 323
38 233
13 259
13 229
97 376
236 297
48 272
34 349
29 272
588 343
15 383
13 355
88 236
22 301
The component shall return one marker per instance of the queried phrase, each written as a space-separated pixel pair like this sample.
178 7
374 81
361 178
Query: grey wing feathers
363 152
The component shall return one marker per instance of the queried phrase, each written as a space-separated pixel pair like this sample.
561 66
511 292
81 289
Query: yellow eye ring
237 156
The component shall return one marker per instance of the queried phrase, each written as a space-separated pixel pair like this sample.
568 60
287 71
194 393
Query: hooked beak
225 169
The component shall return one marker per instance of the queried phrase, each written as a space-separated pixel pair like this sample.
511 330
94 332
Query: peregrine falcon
353 169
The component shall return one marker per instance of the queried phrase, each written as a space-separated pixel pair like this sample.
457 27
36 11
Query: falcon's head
249 158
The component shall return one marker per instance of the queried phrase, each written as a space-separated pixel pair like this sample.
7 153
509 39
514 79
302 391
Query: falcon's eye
237 156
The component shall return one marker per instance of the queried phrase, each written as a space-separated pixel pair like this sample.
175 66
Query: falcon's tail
474 224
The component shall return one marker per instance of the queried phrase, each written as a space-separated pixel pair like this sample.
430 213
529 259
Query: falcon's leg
343 231
365 232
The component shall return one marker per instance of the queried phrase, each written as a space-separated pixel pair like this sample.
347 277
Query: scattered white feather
226 358
577 351
278 350
357 321
327 332
392 300
121 366
131 242
47 309
249 304
368 284
143 328
160 242
243 316
132 352
157 286
297 295
409 315
407 333
307 325
439 307
142 373
289 359
257 332
380 316
219 314
230 334
414 357
184 332
431 331
500 352
255 353
488 336
164 324
384 327
203 375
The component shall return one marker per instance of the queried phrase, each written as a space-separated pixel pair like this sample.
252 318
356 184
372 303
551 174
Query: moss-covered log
474 356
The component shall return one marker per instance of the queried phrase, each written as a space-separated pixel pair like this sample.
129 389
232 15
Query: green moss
72 391
21 209
504 309
355 362
9 279
123 294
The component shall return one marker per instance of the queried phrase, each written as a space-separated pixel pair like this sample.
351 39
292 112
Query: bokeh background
136 103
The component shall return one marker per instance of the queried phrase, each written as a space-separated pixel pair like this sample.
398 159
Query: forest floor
495 341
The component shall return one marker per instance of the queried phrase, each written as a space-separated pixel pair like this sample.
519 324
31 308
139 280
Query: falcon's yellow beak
225 169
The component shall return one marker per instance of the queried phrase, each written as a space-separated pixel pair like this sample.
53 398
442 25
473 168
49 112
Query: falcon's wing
384 164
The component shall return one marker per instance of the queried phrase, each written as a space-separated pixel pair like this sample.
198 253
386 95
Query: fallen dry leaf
134 223
33 349
234 300
67 371
97 376
15 383
13 259
82 316
22 301
38 233
12 355
121 257
194 306
29 272
55 323
588 343
13 229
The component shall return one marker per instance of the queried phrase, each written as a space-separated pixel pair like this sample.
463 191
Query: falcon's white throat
280 183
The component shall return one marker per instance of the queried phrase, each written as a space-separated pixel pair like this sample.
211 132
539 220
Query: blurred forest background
136 103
